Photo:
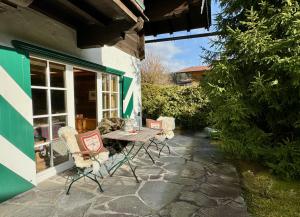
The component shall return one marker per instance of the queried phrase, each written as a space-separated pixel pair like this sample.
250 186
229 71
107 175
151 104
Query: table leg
143 146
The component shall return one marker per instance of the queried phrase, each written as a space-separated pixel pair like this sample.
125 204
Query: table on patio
139 137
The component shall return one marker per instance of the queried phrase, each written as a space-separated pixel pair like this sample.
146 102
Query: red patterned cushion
153 124
90 141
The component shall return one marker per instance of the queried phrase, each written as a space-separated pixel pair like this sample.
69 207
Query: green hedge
188 105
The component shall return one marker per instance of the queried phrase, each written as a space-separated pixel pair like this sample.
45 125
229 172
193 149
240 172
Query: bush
188 105
254 84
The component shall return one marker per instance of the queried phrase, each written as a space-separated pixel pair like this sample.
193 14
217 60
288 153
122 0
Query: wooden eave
171 16
97 23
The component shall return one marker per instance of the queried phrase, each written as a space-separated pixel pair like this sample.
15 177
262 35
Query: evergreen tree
254 84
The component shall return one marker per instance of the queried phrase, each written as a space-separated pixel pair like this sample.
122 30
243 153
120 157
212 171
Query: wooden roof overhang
169 16
98 22
123 23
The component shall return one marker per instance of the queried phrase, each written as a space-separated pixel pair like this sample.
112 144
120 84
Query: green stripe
16 129
129 108
121 95
11 184
18 66
140 3
44 52
126 84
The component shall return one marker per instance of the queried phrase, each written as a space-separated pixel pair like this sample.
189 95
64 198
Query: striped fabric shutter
17 164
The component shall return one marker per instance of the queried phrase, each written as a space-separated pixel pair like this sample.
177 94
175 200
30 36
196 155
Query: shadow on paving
193 180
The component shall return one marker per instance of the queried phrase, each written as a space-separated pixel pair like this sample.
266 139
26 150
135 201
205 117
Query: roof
194 69
169 16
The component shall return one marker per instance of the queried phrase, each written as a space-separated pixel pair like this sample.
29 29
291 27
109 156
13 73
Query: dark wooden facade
123 23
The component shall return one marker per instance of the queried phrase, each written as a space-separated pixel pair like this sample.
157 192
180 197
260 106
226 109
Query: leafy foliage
153 70
188 105
254 84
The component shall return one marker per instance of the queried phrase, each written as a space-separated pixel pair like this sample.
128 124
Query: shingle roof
195 69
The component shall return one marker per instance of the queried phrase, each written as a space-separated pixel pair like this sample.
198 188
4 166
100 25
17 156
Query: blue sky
183 53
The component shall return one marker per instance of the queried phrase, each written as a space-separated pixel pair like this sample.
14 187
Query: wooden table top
142 135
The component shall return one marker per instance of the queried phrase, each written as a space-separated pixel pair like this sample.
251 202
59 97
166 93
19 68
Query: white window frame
110 92
48 88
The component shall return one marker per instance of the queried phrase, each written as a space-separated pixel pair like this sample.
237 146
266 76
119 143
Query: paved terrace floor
194 181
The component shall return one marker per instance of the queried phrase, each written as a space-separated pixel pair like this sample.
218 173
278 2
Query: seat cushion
153 124
90 141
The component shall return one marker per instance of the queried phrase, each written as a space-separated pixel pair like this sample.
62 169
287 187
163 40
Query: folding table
139 137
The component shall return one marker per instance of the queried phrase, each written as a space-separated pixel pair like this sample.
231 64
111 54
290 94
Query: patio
193 181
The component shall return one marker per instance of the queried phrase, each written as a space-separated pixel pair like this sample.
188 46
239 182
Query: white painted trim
70 98
42 176
16 161
16 98
99 96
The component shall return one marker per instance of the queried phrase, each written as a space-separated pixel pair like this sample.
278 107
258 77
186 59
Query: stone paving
193 181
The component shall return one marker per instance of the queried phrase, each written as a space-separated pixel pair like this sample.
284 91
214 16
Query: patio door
17 166
50 112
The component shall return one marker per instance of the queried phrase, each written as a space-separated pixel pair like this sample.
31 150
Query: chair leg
164 144
74 180
95 180
152 141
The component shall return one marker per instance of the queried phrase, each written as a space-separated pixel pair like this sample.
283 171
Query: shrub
188 105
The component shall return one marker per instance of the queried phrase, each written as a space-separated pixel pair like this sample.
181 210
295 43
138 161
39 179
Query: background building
190 75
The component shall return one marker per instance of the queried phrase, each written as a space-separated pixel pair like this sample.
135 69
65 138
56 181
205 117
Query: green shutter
127 96
17 166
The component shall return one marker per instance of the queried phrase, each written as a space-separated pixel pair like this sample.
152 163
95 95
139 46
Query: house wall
32 27
26 25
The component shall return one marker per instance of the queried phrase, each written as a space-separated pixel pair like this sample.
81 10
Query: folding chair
167 126
89 168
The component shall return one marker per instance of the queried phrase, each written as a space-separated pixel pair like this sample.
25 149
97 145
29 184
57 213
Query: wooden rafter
183 37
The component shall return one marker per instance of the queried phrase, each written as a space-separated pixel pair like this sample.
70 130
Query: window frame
49 114
111 92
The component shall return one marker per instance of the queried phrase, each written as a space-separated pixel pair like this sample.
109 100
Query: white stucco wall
27 25
113 57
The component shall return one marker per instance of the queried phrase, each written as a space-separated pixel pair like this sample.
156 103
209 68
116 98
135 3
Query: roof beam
183 37
126 10
91 11
95 36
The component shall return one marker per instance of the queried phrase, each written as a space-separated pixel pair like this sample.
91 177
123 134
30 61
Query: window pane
42 157
114 114
60 152
41 130
106 114
38 72
39 102
105 82
114 83
58 101
58 122
105 100
57 72
114 101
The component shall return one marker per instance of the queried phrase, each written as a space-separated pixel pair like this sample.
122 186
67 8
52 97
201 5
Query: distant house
190 75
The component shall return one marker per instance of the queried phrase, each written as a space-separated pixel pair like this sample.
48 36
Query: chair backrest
168 125
67 134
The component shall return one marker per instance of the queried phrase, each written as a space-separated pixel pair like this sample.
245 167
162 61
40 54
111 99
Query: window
110 96
49 112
